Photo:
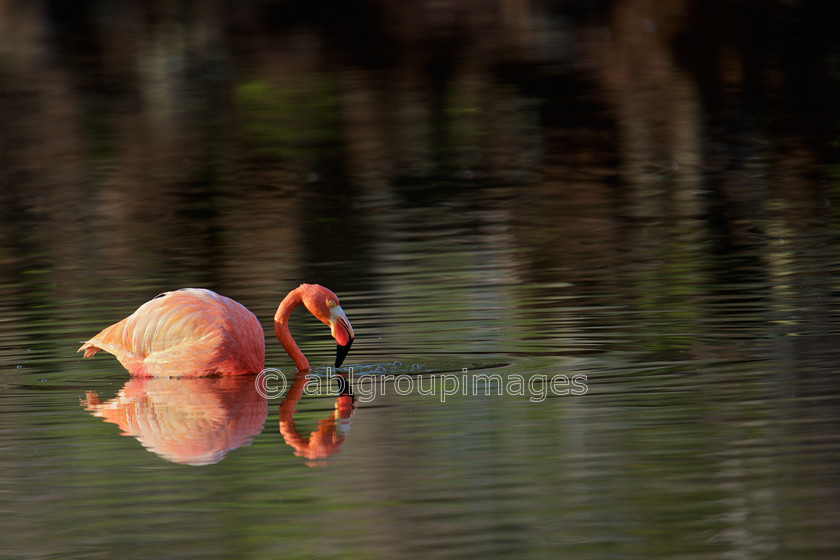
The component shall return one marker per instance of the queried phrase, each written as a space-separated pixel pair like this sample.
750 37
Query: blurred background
645 192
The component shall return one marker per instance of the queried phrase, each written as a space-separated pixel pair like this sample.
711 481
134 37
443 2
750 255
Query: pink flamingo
195 332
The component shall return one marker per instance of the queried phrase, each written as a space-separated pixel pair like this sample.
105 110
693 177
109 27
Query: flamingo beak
342 332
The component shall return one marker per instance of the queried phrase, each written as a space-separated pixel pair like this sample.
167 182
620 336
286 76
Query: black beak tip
341 353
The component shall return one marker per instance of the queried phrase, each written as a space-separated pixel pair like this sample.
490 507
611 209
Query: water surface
590 254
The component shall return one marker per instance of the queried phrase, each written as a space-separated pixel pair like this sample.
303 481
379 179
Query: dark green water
591 254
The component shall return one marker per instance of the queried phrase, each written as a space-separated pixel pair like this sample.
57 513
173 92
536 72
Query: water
590 254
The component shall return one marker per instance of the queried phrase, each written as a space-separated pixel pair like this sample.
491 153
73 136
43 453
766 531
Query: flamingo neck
281 329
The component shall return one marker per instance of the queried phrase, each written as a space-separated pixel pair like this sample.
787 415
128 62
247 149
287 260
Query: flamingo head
324 305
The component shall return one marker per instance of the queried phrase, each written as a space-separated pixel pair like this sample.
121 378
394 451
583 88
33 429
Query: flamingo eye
330 303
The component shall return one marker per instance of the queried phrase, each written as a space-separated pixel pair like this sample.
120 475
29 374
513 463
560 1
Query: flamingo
195 332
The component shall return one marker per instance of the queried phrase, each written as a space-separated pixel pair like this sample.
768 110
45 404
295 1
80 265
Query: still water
591 254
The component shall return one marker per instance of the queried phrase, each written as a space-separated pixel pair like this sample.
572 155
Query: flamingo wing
185 332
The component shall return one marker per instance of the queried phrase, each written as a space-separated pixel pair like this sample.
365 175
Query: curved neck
281 329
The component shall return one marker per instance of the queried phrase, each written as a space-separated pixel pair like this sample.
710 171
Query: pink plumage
188 332
194 332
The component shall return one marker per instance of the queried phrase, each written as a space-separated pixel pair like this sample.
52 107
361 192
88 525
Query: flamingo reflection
329 436
193 421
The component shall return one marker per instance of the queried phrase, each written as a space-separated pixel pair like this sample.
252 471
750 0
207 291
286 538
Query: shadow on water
190 421
198 421
329 436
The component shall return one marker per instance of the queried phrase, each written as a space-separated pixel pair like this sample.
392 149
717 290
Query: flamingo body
188 332
196 332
